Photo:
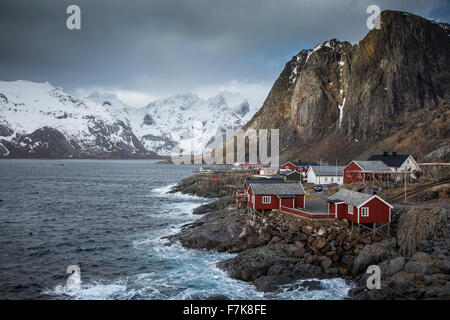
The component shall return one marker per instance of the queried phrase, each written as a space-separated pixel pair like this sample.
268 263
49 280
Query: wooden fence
309 215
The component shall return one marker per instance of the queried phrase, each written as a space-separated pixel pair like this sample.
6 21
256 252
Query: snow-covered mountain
172 123
39 120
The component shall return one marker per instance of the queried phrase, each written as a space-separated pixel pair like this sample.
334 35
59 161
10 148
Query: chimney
394 153
385 153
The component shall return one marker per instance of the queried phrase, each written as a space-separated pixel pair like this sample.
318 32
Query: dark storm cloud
168 46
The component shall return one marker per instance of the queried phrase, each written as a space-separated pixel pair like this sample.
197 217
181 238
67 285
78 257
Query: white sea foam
93 291
182 273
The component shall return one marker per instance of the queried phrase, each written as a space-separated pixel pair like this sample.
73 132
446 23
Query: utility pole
405 185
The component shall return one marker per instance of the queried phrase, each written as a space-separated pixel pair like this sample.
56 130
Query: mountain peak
328 97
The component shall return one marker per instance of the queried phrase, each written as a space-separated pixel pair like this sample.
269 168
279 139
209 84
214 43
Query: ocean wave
163 192
93 291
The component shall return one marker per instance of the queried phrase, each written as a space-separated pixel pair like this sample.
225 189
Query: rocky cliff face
390 91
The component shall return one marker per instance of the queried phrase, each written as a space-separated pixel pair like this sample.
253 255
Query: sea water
108 217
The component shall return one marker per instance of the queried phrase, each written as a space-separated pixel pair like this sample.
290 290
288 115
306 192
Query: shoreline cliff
277 248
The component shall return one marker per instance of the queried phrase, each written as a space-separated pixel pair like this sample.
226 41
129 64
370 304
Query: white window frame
363 212
265 201
350 209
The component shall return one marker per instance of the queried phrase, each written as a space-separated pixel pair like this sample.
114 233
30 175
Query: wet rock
312 285
217 297
347 260
271 283
325 264
354 292
215 205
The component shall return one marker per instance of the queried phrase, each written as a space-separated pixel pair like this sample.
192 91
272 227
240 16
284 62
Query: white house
325 174
397 162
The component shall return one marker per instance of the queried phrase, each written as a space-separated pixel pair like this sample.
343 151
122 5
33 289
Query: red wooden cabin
242 195
250 181
298 166
274 195
359 207
359 171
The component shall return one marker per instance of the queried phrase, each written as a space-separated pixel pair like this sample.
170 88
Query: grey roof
281 189
303 164
328 170
394 161
286 173
373 165
351 197
259 180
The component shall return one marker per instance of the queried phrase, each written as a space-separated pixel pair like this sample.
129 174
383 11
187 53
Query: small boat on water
59 164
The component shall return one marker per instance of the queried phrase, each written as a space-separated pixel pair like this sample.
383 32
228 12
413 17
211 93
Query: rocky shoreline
277 248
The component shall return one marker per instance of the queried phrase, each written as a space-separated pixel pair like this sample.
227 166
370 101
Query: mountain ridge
38 120
342 101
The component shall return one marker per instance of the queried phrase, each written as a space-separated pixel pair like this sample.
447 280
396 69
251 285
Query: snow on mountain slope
39 120
171 123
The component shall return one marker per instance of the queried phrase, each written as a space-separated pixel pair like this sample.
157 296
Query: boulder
307 229
312 285
321 231
271 282
215 205
392 266
373 254
419 224
319 244
325 264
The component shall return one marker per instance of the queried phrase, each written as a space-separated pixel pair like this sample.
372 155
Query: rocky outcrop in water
204 186
275 248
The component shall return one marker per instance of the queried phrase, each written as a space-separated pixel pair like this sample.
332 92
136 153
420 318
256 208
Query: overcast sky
143 50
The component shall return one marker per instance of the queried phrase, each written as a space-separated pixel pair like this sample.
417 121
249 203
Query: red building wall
300 201
290 166
378 212
331 208
274 203
250 201
350 177
341 210
345 215
288 202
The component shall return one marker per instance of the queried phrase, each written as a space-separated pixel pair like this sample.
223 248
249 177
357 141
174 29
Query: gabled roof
289 172
280 189
353 198
302 164
328 170
372 165
250 181
390 160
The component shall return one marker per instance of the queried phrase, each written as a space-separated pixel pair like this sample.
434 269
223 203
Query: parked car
318 187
